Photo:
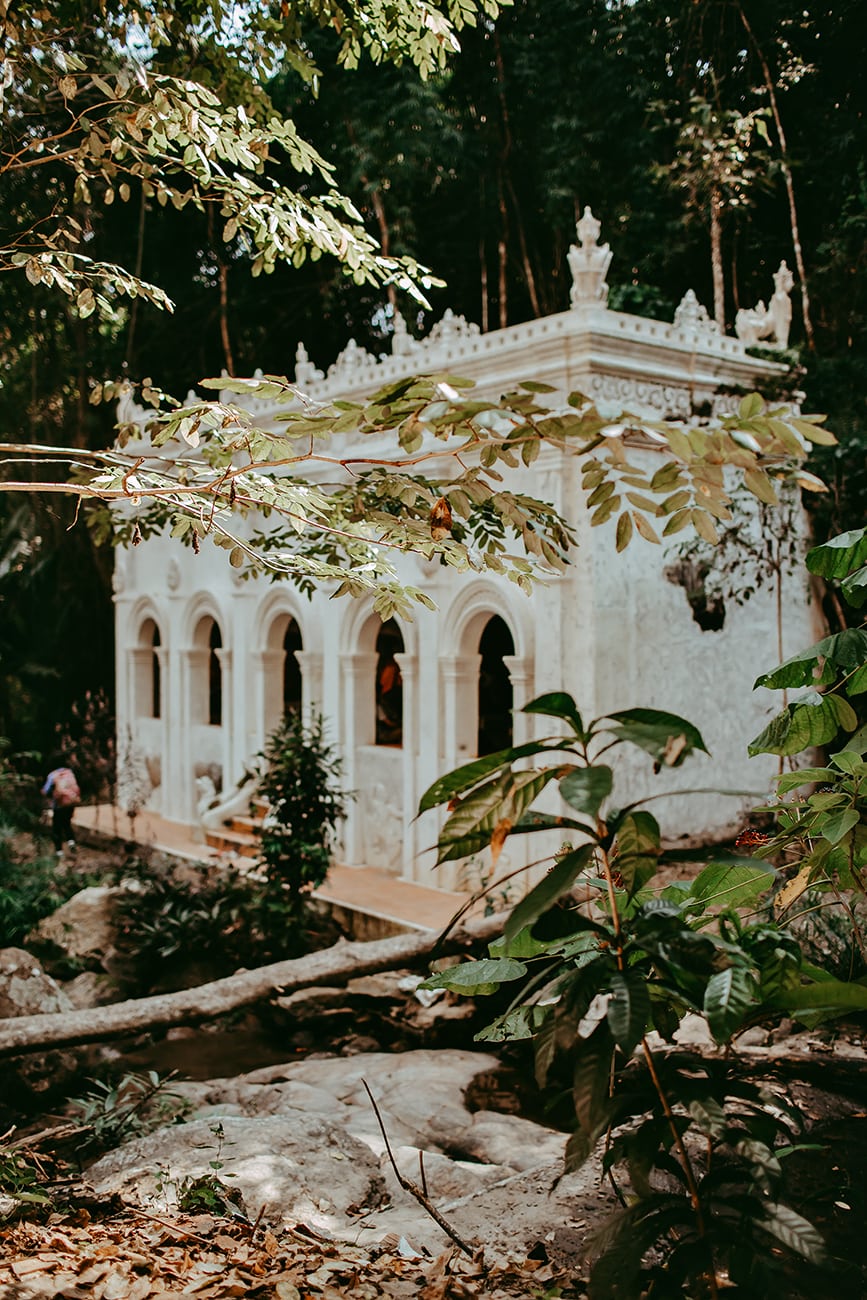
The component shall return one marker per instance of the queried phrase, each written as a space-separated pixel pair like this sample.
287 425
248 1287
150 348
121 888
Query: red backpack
65 789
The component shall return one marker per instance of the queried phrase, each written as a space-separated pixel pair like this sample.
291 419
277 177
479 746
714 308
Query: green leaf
805 724
828 996
845 558
836 825
793 1231
586 788
521 1023
558 704
636 854
819 665
555 884
628 1009
501 800
477 977
751 405
471 774
728 996
668 738
804 776
731 884
623 534
591 1080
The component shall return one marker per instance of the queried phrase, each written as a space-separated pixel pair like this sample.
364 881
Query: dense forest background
711 137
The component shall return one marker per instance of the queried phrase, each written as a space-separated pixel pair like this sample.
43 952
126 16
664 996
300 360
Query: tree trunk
787 176
344 961
719 290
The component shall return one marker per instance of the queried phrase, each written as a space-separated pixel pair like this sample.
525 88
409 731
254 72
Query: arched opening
495 688
389 686
147 682
215 678
291 668
156 680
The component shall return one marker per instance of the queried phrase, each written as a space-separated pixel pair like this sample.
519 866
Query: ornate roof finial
305 372
589 263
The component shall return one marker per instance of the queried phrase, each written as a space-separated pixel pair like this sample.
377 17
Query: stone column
408 665
358 684
267 695
194 715
520 672
228 714
310 663
460 678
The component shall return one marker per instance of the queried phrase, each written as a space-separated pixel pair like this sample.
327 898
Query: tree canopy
285 172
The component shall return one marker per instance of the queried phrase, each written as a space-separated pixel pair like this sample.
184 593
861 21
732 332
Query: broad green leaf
471 774
805 724
708 1116
623 534
636 856
847 761
522 945
558 704
751 405
835 826
820 664
845 558
804 776
793 1231
477 977
727 884
521 1023
628 1009
591 1080
728 995
829 997
586 788
668 739
498 802
555 884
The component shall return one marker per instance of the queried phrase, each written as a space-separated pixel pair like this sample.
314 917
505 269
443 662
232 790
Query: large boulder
295 1166
83 930
27 990
498 1178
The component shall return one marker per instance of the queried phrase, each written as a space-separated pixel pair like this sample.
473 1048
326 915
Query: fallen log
24 1034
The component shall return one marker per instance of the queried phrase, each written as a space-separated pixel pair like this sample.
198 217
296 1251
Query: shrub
306 804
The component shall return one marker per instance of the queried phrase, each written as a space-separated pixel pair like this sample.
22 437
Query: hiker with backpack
62 789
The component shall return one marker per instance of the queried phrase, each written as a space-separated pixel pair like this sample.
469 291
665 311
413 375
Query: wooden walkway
382 902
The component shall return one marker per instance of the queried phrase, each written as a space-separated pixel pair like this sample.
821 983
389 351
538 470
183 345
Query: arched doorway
292 686
215 677
389 686
148 671
495 730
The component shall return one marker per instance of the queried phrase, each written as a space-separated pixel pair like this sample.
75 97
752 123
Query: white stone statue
402 342
588 263
351 361
692 317
755 323
452 327
306 373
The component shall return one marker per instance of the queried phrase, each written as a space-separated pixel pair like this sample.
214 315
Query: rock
83 930
293 1167
508 1140
27 990
91 989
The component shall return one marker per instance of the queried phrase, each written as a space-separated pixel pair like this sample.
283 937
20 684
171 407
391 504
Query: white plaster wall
612 630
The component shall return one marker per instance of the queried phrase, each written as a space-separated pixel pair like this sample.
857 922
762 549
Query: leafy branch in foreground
420 466
601 987
103 105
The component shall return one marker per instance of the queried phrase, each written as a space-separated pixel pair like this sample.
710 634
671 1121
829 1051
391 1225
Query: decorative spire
305 372
589 263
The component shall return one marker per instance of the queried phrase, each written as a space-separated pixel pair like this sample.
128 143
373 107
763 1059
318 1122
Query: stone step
244 825
228 841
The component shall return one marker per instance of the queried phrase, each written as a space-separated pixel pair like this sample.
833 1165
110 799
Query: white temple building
207 663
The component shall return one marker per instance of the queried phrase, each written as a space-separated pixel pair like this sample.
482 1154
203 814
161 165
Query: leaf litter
130 1255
